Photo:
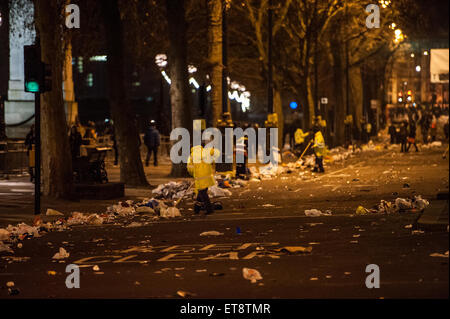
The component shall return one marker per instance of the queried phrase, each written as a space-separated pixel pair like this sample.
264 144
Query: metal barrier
13 157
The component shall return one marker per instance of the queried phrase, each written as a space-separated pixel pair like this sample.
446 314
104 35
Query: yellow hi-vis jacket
319 144
201 166
300 136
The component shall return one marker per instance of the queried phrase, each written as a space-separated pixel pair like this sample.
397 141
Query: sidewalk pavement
435 217
17 195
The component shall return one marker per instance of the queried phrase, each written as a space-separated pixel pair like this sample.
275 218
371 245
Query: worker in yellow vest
201 167
299 137
319 149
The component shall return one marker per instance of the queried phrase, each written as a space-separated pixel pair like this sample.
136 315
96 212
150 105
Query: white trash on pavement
62 254
316 213
251 274
52 212
211 233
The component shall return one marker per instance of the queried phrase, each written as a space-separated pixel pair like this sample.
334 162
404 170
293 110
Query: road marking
88 260
127 260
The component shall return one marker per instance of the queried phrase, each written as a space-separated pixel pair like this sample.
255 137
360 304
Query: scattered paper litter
4 234
317 213
62 254
251 274
52 212
134 224
170 212
211 233
4 247
440 255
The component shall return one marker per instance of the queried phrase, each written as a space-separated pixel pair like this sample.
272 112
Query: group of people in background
405 122
89 134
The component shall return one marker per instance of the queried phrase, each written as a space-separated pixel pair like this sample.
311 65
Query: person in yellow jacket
299 137
201 167
319 149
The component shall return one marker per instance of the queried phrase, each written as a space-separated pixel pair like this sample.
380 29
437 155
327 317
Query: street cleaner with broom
319 149
201 167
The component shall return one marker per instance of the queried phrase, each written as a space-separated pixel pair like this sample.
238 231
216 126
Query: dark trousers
319 164
116 155
203 199
150 150
425 135
403 147
409 146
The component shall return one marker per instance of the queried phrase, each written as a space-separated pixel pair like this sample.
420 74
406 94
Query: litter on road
251 274
62 254
317 213
211 233
52 212
445 255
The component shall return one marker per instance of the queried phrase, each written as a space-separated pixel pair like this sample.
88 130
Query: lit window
80 64
90 80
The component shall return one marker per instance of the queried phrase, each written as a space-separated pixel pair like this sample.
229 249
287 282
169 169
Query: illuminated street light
385 3
161 60
192 69
418 68
399 37
425 53
412 55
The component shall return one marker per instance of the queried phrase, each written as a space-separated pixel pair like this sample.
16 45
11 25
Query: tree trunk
179 89
56 159
310 97
339 92
278 108
131 169
356 96
215 56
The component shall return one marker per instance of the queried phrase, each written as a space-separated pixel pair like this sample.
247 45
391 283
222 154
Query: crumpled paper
251 274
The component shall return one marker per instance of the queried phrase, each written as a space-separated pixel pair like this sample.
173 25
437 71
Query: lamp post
225 121
161 62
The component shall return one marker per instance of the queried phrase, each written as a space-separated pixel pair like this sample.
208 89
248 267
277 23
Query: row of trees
316 42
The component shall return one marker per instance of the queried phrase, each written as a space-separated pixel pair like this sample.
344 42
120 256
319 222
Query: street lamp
225 121
161 62
399 36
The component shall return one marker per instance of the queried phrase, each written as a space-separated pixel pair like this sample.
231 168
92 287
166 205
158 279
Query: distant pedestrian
319 149
433 130
30 141
403 134
412 137
392 132
152 140
75 141
446 130
425 126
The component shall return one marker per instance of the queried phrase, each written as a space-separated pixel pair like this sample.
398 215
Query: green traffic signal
32 86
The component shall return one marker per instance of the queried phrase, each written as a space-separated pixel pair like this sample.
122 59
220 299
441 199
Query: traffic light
409 98
38 75
33 68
